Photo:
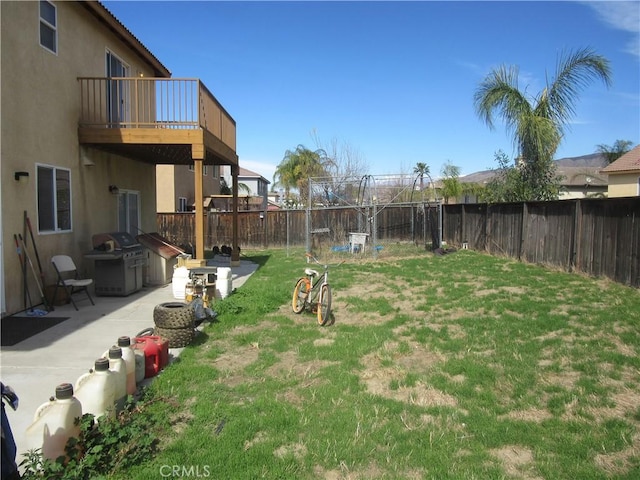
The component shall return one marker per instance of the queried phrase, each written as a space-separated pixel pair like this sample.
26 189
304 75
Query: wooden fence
599 237
394 223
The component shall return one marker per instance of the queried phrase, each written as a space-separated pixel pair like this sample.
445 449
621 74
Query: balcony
156 120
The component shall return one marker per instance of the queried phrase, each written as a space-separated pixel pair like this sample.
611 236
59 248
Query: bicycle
313 291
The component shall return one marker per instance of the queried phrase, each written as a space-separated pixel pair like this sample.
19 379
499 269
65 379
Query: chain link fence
371 215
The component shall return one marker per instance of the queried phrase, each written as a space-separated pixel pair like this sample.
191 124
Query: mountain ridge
592 161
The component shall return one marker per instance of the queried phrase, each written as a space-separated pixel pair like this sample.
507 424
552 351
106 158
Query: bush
103 448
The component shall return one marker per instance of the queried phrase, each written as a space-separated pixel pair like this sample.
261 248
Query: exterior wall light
114 190
22 177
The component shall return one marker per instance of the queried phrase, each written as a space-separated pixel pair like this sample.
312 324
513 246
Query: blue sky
394 81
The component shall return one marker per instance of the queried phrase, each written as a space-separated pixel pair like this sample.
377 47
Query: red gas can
163 346
152 365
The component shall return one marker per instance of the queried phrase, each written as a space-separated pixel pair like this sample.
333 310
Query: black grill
119 259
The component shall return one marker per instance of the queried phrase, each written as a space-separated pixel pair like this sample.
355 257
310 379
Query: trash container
162 258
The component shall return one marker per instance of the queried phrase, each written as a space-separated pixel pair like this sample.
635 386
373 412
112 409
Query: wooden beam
235 255
218 147
197 152
143 136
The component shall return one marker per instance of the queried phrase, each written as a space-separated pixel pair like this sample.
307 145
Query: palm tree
538 124
284 176
451 186
421 169
296 168
619 148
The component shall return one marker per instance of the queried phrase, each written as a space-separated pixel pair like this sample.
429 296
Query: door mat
16 329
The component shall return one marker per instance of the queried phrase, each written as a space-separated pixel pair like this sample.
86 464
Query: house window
182 204
192 168
54 199
129 212
48 26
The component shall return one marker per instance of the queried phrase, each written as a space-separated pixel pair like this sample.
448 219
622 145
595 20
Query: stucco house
175 186
252 185
582 182
87 115
252 192
624 175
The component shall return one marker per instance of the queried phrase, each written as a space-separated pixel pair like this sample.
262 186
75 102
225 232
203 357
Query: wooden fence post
524 230
576 234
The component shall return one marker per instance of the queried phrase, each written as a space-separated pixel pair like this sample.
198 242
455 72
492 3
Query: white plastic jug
54 423
119 370
129 357
141 365
96 390
179 282
223 282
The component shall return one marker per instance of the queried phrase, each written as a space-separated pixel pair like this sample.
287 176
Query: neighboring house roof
581 176
243 172
627 163
117 27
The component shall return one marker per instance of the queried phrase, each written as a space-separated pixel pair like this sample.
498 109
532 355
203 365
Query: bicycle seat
311 273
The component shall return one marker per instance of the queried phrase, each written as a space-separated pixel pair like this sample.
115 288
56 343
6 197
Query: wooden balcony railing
139 102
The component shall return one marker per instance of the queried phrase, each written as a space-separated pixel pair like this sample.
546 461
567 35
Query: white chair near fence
357 242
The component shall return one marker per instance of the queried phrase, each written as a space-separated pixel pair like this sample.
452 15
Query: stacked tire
175 321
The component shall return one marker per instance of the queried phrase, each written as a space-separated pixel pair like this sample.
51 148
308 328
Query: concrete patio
60 354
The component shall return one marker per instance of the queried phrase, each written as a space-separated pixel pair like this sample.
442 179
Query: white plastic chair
357 242
68 279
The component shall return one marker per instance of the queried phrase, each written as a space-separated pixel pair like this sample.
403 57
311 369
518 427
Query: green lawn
463 366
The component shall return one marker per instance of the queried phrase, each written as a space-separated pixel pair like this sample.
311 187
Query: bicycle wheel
300 294
324 304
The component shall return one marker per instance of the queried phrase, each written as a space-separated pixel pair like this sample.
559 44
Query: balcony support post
197 154
235 254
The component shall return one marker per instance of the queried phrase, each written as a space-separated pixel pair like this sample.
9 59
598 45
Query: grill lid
121 240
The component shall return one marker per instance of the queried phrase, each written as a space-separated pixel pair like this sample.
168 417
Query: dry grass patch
232 363
342 315
373 470
566 379
296 450
535 415
625 403
292 396
289 366
259 437
454 330
375 283
445 315
621 347
180 419
380 379
517 460
619 463
323 342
